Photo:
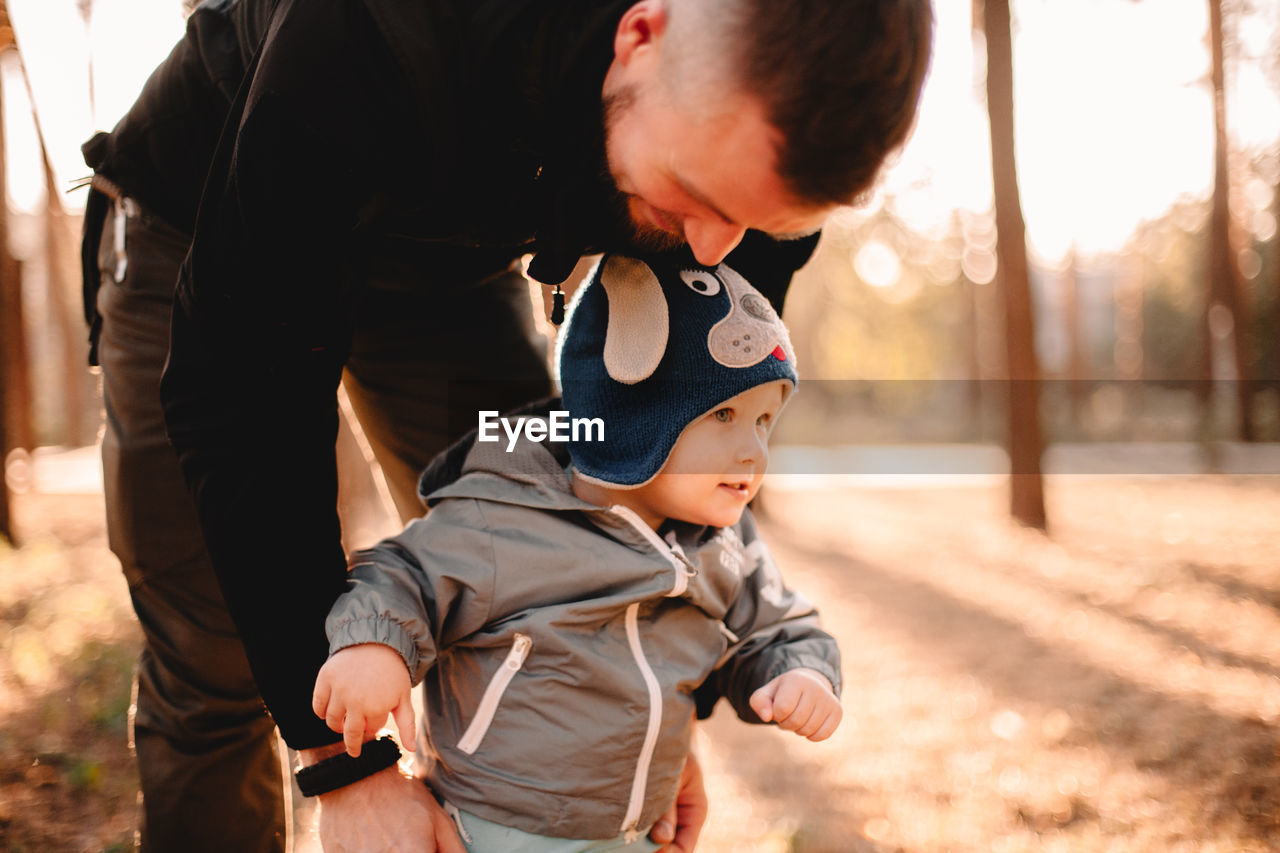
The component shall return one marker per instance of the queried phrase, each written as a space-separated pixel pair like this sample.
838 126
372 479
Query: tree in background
1025 441
1267 318
1226 284
15 419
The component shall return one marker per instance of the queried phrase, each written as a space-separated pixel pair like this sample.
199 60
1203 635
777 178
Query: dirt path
67 644
1113 688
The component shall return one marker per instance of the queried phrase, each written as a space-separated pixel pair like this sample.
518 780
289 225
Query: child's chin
728 518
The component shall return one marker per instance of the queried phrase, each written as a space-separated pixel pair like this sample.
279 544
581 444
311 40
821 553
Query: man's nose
710 240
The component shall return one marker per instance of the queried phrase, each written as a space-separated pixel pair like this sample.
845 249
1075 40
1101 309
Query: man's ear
640 32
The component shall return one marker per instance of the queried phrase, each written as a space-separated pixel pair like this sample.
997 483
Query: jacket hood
531 474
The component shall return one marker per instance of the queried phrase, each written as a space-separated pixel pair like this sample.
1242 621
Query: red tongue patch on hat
779 354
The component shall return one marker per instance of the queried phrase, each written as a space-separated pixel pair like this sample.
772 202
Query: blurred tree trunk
969 312
6 352
1128 352
15 362
973 358
6 522
1075 336
78 385
79 388
1226 284
12 341
1025 440
1271 342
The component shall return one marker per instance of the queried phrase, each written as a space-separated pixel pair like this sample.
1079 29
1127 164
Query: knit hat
650 347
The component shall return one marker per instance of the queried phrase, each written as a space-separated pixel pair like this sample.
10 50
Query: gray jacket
560 643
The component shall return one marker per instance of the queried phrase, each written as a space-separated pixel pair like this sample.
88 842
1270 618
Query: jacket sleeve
421 590
776 630
261 328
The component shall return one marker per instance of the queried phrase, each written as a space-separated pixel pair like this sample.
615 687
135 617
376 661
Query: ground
1110 687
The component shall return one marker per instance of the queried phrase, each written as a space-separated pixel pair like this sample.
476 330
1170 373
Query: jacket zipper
475 732
683 570
641 781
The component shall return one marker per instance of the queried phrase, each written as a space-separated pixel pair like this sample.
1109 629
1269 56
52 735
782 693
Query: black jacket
322 133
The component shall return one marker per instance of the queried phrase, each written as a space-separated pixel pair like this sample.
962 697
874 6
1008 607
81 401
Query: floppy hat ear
636 336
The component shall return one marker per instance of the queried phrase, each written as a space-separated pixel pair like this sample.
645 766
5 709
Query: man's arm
679 828
387 811
261 328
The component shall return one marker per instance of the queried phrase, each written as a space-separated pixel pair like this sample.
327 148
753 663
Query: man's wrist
339 770
307 757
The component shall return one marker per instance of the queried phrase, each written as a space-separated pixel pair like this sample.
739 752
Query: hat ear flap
636 335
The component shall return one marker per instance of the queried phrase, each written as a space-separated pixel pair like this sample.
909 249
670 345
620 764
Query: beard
635 235
641 237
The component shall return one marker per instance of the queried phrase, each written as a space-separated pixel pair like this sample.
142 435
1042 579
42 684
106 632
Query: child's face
717 464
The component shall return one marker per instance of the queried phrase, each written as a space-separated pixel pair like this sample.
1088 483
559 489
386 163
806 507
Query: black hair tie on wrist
341 770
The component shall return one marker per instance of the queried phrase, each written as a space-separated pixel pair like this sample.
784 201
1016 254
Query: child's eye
723 415
764 420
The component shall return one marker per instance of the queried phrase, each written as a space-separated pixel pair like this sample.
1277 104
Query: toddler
561 609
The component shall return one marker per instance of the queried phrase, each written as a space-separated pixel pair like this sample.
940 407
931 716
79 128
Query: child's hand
800 701
358 687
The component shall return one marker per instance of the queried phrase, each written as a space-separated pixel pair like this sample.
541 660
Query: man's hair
839 79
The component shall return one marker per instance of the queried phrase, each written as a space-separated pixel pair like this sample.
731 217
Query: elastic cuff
808 661
341 770
382 630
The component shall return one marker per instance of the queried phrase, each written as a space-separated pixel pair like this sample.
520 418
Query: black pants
427 355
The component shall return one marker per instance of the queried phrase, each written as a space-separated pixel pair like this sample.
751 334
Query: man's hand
801 701
386 813
358 687
680 827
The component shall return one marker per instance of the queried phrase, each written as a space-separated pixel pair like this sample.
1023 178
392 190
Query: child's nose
752 448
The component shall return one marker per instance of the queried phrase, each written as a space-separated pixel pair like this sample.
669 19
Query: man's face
684 177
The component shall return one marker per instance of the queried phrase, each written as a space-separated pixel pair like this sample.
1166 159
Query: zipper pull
690 570
519 651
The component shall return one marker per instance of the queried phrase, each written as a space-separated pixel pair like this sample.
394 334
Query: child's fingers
761 701
800 717
320 696
353 734
335 713
829 725
403 714
810 717
786 701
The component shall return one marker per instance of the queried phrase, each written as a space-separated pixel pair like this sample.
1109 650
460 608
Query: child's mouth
737 489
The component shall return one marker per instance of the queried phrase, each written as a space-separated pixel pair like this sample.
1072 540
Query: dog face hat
649 347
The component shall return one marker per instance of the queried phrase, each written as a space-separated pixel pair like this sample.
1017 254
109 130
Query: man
355 180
